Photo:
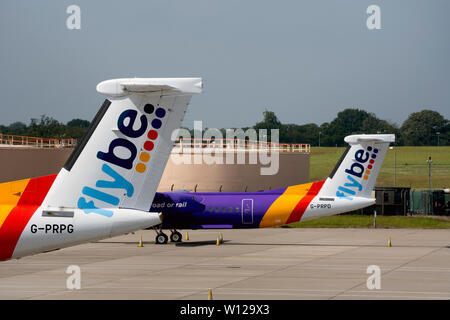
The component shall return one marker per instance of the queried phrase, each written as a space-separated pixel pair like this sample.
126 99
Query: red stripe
36 190
31 199
301 206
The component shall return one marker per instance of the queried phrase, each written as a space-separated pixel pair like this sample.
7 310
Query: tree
270 122
421 128
347 122
47 127
17 128
76 128
374 125
78 123
294 133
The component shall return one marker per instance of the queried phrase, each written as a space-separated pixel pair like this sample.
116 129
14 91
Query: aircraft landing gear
161 237
176 236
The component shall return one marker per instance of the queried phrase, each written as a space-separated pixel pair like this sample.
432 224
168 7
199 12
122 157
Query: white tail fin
356 172
120 160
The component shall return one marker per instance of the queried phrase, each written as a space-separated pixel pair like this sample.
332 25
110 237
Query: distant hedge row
424 128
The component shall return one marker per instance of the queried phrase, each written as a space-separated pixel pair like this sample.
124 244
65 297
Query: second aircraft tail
356 172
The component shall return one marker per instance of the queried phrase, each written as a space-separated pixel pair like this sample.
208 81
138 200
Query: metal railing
239 144
37 142
226 144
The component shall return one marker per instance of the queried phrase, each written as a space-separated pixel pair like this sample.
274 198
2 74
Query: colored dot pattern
371 161
144 157
152 135
156 123
160 112
140 167
149 108
148 145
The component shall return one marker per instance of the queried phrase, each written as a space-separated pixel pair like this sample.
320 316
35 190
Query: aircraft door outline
247 211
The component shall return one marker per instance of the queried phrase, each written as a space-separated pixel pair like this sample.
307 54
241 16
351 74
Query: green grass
411 166
356 221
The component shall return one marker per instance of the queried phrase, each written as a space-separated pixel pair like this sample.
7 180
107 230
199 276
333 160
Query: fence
37 142
239 144
426 202
228 144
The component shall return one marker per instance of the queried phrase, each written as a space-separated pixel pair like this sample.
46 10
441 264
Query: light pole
395 165
429 161
438 133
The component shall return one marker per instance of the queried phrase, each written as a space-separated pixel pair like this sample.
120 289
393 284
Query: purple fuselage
211 210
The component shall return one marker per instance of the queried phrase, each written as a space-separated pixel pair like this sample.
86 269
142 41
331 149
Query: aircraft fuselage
214 210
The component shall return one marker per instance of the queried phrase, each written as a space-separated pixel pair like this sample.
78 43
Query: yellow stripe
281 208
10 193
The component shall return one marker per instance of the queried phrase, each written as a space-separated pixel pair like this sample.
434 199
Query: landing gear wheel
176 237
161 238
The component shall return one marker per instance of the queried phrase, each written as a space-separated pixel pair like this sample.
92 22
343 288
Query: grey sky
304 60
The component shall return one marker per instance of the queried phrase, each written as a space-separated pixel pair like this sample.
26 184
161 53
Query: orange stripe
15 222
300 208
282 207
10 193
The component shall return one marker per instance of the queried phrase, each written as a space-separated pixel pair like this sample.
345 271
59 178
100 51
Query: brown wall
20 163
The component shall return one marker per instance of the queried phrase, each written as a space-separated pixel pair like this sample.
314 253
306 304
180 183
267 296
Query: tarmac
273 263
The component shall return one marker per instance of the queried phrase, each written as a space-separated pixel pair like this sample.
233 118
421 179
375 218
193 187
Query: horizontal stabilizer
370 138
122 87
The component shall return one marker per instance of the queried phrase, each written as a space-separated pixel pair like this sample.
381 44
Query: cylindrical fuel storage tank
290 168
202 174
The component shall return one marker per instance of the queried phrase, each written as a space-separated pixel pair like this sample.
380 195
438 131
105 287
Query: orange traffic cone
210 294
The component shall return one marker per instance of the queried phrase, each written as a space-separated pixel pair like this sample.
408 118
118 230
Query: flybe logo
125 123
358 172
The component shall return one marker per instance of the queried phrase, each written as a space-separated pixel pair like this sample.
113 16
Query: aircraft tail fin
120 160
357 170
